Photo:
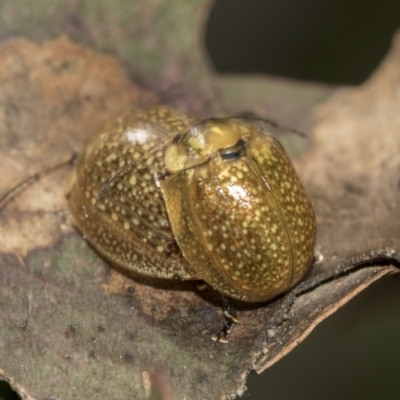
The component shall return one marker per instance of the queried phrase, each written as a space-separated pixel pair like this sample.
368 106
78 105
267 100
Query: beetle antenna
251 117
27 182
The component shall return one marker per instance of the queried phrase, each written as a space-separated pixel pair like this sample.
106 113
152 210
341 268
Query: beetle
216 200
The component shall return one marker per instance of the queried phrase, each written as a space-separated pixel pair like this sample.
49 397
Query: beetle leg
231 318
172 249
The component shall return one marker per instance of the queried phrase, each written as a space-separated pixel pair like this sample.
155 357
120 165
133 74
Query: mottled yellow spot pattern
223 191
130 223
246 223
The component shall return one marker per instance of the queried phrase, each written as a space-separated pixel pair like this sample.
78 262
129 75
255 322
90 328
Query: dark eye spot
234 152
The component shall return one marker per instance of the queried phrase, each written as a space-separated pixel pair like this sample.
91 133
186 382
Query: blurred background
354 354
332 41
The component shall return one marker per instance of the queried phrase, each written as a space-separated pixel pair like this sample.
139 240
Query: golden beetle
217 200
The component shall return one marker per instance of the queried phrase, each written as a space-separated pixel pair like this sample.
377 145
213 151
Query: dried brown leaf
71 327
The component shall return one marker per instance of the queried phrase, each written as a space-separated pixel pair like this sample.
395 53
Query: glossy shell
218 200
